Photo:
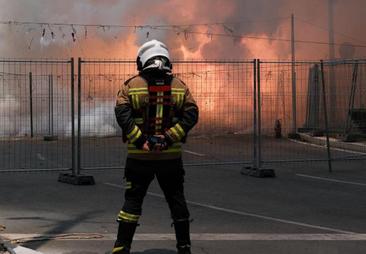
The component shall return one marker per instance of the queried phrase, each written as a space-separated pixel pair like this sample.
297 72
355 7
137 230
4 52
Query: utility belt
172 152
174 148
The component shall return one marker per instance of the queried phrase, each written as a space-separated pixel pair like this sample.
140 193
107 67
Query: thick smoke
260 18
257 18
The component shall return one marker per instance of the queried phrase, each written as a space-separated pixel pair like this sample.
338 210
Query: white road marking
22 250
331 180
194 153
41 157
249 214
324 146
194 236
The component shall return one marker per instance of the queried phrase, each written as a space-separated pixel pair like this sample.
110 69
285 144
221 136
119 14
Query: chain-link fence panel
36 127
294 109
345 91
222 89
35 114
283 109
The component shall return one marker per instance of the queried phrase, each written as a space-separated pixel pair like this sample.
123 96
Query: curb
334 143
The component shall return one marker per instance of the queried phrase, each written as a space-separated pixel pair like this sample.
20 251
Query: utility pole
31 103
293 77
331 29
332 85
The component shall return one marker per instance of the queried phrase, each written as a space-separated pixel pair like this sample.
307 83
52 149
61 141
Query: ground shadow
152 251
156 251
62 227
81 252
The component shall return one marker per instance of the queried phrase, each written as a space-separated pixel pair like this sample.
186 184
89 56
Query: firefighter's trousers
170 175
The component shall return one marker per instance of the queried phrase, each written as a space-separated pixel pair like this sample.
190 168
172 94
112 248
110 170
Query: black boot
182 235
126 231
184 250
120 250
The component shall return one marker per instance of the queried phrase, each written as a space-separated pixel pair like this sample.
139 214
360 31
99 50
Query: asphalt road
304 209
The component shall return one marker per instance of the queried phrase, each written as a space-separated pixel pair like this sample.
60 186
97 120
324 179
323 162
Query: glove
157 143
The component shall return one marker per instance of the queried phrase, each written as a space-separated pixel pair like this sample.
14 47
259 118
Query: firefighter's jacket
155 104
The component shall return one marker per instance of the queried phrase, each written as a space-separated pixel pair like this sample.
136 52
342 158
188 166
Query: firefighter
155 111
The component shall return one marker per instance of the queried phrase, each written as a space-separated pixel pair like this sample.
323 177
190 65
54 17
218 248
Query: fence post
255 134
259 121
79 119
50 136
256 170
72 116
31 103
326 117
50 105
75 177
351 104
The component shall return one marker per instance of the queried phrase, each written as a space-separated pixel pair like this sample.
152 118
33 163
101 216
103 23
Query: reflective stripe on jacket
155 106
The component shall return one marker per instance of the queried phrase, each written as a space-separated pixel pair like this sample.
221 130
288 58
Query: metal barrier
312 103
345 93
248 111
224 93
36 115
283 109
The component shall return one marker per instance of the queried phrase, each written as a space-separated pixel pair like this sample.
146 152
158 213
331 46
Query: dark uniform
154 103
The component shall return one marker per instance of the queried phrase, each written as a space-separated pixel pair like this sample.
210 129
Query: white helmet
149 50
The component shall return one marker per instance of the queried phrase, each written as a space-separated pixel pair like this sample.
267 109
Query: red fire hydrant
278 128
